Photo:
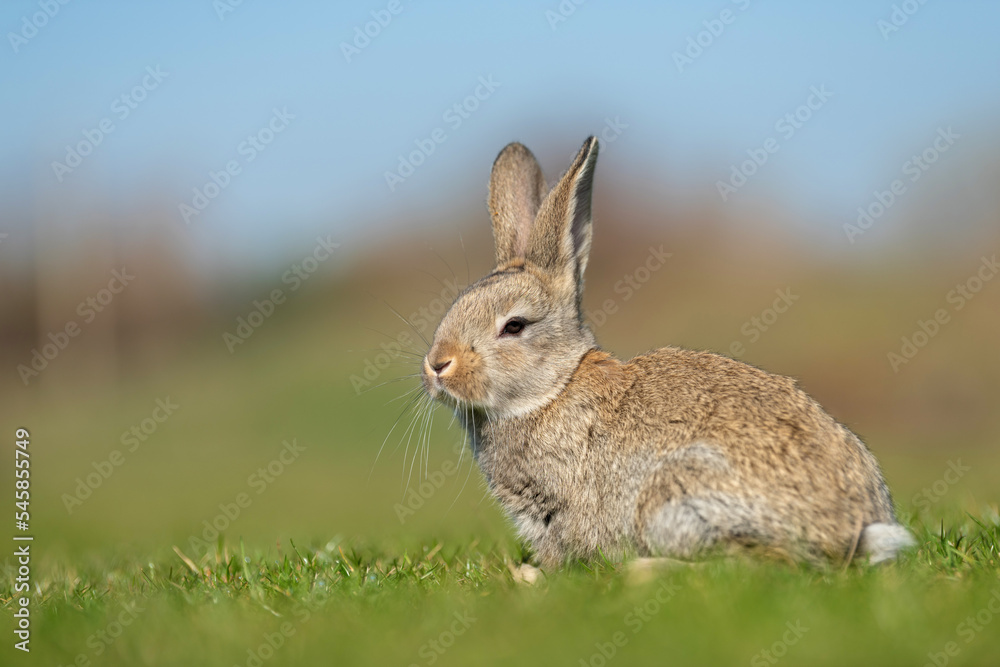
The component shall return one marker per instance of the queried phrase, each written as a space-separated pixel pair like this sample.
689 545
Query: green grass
349 603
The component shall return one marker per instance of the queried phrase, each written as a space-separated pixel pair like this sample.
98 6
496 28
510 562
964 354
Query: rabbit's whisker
406 408
408 323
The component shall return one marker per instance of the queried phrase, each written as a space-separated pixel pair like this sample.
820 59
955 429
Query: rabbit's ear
516 191
560 238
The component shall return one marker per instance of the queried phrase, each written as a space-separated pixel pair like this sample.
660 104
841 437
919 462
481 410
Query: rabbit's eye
513 327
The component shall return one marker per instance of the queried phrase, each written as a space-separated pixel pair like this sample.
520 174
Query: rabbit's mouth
437 376
451 374
432 380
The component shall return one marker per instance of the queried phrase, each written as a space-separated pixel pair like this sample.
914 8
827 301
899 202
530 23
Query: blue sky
326 169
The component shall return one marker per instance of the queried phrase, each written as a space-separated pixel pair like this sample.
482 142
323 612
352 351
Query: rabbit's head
512 340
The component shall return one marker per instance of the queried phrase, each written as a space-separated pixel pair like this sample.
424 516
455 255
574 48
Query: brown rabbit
674 453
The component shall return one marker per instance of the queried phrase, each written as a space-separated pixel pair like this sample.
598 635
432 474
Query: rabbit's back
745 445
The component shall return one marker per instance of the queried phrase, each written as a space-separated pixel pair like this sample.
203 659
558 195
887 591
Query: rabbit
675 454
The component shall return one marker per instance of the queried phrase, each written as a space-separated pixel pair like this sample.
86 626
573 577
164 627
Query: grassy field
455 602
325 555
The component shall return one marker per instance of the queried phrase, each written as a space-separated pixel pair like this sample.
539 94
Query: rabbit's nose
440 366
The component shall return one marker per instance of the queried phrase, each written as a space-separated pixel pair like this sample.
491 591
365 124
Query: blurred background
211 211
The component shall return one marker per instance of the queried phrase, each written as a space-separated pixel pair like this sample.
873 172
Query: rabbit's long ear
516 190
560 238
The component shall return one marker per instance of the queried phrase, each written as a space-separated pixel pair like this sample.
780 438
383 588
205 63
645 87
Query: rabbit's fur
674 453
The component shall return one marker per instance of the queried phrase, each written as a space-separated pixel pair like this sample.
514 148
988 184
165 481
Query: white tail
882 541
